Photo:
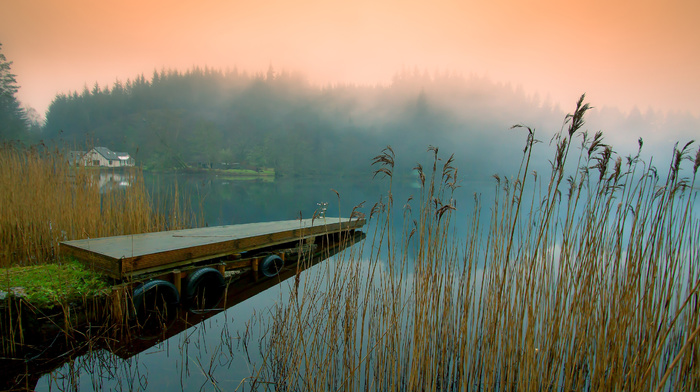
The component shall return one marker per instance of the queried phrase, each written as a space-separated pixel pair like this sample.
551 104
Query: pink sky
621 53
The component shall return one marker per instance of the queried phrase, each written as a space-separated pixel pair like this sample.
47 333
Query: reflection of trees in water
227 201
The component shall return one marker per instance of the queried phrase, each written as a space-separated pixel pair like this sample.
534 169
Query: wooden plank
221 246
149 252
97 262
172 264
132 246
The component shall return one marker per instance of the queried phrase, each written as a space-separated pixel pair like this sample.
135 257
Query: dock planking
126 256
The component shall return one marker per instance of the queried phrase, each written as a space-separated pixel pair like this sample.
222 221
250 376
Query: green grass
51 284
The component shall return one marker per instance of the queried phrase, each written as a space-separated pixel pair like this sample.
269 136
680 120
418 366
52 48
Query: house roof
111 155
76 155
106 152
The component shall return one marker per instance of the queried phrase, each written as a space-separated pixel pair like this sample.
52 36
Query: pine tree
13 122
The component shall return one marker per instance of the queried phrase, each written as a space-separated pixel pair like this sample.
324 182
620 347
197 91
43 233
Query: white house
103 156
75 157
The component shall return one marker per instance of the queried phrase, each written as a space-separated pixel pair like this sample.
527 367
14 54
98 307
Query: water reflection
112 180
195 343
223 201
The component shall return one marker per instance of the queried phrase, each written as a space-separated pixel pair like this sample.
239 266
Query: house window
95 162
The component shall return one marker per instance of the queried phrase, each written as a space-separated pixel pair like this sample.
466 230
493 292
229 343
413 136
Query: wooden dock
52 346
136 255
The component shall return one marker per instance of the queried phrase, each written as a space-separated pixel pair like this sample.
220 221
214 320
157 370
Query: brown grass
44 201
592 284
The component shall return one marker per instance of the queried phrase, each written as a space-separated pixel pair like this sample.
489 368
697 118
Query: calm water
223 350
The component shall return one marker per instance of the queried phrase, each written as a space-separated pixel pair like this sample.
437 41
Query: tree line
206 117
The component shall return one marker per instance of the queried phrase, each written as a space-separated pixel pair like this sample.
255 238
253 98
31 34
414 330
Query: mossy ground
47 285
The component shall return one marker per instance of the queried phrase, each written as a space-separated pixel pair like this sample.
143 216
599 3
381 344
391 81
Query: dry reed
45 200
591 283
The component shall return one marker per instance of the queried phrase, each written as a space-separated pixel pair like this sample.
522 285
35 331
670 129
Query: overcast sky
621 53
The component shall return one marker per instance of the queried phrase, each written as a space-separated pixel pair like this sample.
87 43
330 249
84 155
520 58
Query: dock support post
255 266
177 280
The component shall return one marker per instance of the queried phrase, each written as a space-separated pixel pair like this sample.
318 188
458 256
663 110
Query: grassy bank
235 173
586 278
48 285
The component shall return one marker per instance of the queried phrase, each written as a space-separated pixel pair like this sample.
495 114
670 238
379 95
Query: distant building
75 157
103 157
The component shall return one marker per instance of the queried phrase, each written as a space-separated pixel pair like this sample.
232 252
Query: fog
278 119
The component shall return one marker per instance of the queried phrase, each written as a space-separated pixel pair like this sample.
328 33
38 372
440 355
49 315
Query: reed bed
45 200
585 279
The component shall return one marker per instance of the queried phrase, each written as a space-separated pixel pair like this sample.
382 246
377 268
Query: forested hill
278 120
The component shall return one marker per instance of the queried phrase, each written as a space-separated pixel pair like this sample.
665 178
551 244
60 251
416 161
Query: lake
225 351
224 347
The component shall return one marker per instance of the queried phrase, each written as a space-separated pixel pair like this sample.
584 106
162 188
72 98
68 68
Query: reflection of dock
40 357
238 290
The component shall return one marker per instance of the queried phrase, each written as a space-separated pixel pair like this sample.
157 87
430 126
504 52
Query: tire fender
272 265
208 278
166 289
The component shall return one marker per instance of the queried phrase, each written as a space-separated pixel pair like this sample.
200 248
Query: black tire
154 301
272 265
204 289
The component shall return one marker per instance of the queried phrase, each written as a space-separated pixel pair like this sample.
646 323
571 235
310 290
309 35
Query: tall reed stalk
586 280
